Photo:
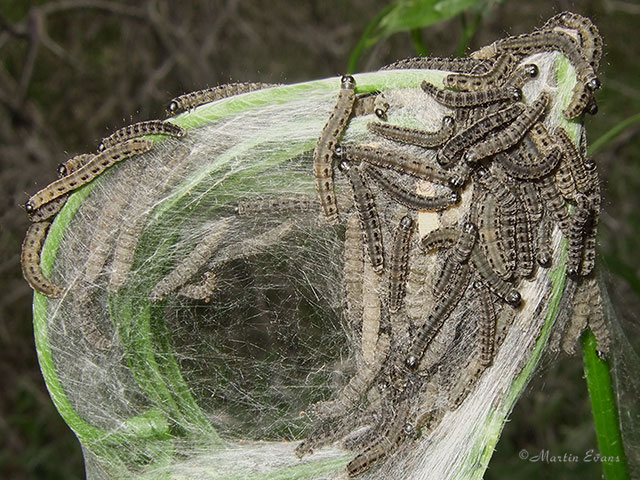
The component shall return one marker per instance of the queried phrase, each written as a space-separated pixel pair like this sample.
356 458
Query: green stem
613 132
605 413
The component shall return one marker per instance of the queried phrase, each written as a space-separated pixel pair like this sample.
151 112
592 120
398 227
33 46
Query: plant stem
605 412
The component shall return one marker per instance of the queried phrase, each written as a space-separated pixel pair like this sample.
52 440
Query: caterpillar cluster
522 176
526 178
81 169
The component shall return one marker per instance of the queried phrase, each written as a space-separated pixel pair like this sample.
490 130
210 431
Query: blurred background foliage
72 71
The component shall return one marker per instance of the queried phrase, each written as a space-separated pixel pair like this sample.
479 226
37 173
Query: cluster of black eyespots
526 177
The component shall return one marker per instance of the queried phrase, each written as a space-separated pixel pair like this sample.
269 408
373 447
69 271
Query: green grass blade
418 44
613 133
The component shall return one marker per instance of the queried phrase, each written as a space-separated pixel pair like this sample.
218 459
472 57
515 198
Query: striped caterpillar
189 101
323 153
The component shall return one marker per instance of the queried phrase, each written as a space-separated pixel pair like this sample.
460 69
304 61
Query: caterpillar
554 203
408 164
451 98
487 324
500 70
589 35
191 100
406 197
485 211
414 136
399 263
323 153
442 307
512 134
191 264
464 65
30 260
51 209
88 172
503 289
353 270
464 139
151 127
369 221
579 220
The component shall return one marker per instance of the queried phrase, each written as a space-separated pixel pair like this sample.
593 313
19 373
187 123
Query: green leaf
420 14
405 16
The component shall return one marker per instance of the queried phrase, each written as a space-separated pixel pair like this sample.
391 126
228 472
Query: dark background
73 71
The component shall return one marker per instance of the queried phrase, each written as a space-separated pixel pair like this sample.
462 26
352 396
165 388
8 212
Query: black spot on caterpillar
463 140
411 165
399 263
73 164
414 136
500 70
408 198
465 65
192 100
368 215
140 129
510 135
487 324
30 260
88 172
455 99
323 153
